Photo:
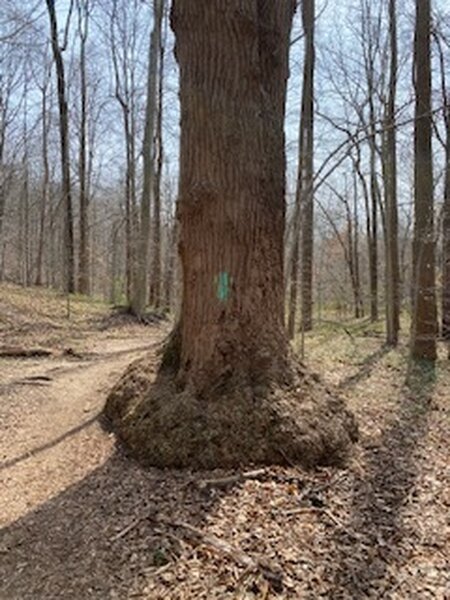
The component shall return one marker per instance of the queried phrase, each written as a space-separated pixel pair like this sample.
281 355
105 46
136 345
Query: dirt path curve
51 437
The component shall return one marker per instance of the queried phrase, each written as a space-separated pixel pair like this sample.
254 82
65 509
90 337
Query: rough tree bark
424 317
228 391
68 239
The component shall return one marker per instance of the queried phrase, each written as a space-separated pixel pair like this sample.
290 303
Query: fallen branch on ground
225 482
19 352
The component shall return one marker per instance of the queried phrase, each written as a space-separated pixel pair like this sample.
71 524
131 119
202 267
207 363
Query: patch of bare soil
81 520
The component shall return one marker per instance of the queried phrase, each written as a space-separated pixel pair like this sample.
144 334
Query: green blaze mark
223 286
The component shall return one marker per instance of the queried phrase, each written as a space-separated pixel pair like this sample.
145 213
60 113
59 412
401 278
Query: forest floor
80 520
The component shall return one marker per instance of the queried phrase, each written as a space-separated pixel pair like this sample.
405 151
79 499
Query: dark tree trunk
390 176
446 235
308 13
155 277
83 258
2 174
45 188
68 238
359 305
424 317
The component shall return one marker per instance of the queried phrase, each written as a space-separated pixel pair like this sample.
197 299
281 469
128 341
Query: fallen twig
123 532
225 482
19 352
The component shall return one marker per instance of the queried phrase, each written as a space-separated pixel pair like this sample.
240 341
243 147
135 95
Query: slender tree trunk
139 299
359 305
68 238
446 236
424 317
114 262
155 278
373 240
304 207
369 60
2 166
390 171
308 14
169 272
295 256
45 188
83 257
128 208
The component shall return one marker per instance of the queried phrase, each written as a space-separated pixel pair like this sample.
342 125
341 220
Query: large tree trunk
232 205
228 391
424 318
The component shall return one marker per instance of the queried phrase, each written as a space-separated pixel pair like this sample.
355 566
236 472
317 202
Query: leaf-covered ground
82 521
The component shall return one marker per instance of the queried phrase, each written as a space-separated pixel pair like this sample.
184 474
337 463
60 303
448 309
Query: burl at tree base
229 391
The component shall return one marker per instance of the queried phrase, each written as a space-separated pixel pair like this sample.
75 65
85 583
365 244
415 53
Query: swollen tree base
231 426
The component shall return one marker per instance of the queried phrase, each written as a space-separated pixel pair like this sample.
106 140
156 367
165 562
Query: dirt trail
82 521
49 418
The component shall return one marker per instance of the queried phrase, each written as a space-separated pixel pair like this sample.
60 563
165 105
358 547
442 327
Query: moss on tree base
165 427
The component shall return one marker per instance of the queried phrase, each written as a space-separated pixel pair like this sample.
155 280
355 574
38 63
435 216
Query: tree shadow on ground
7 464
366 367
370 543
103 537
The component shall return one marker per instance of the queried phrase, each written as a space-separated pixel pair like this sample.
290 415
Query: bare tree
68 244
390 177
123 45
303 219
139 298
308 15
83 9
424 317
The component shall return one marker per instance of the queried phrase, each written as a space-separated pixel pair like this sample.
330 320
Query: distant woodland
89 158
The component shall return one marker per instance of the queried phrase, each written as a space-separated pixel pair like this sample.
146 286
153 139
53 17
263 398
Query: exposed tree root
239 425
